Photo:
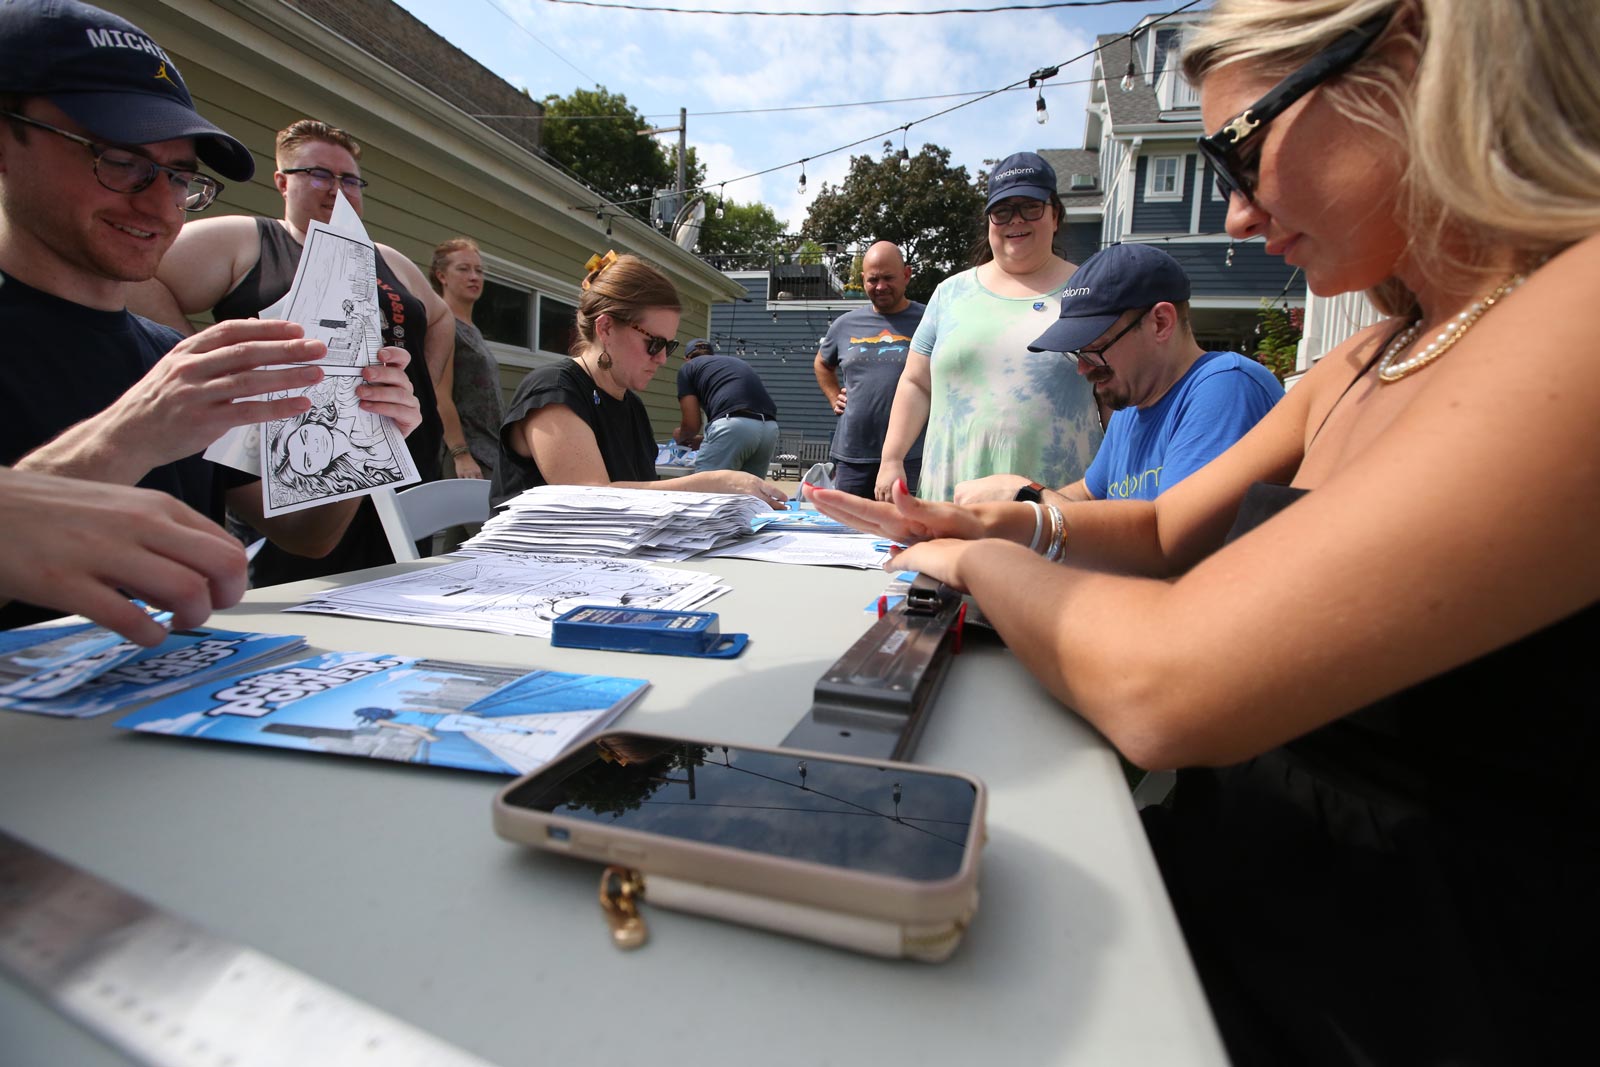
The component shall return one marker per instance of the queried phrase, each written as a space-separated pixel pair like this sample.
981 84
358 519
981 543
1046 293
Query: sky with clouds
709 63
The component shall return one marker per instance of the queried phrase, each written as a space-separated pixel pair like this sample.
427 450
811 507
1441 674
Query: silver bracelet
1058 534
1038 526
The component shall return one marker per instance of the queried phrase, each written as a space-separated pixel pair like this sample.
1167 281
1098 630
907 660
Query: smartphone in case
875 856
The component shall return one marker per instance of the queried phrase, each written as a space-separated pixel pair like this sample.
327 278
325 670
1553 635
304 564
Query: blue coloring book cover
478 718
107 672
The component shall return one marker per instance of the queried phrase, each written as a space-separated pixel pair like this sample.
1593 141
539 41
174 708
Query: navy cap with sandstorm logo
109 77
1021 174
1113 280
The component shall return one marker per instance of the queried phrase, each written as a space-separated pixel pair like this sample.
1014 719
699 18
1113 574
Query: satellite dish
686 230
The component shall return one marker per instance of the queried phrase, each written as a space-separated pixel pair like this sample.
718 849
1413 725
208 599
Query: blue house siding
1253 274
781 352
1213 212
1079 241
1162 216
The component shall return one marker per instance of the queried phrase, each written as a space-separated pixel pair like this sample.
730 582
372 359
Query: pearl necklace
1391 368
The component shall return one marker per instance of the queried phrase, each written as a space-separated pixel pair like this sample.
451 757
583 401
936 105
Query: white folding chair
424 510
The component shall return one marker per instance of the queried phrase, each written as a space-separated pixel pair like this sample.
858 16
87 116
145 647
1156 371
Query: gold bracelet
458 451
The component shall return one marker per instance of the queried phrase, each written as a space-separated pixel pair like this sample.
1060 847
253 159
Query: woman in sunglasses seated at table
580 421
1362 629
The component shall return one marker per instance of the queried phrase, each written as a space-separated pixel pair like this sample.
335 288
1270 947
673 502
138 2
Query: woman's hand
466 466
904 519
741 482
939 559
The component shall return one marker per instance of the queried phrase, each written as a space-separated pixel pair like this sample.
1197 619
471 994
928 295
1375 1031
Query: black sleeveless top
405 323
1415 882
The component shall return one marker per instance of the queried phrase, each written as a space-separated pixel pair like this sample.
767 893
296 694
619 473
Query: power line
512 19
1035 77
843 14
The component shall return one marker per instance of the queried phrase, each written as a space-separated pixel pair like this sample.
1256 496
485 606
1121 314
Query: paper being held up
335 450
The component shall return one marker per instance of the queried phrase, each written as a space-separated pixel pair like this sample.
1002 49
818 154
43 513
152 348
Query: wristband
458 451
1031 493
1038 525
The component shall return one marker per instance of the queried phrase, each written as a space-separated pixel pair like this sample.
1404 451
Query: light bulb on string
1040 115
599 215
1228 260
720 190
905 154
801 186
608 227
1128 78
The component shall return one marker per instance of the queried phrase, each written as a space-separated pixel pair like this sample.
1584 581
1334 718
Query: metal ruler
169 993
873 701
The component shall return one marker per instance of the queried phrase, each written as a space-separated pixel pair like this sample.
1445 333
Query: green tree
594 133
743 228
929 208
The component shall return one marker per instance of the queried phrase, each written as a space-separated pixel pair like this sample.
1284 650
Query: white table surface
387 882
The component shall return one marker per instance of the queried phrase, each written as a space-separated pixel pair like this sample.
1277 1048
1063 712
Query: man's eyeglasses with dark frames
1096 357
322 178
123 171
1030 210
654 345
1225 149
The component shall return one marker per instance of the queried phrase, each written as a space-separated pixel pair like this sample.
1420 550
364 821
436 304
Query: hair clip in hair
597 265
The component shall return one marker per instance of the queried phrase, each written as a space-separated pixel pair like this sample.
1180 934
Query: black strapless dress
1414 883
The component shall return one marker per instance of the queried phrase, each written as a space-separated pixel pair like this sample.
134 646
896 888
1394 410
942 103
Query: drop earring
605 361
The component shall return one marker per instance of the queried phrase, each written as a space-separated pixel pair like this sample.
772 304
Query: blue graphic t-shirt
868 349
1149 450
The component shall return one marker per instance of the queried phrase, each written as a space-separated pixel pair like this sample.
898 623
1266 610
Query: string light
608 227
801 187
1228 260
905 155
721 189
1040 115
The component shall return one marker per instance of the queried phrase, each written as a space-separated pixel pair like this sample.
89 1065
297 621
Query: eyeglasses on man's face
654 345
1235 150
322 178
124 171
1030 210
1096 357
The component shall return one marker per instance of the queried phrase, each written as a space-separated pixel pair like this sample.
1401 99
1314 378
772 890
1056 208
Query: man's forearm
89 450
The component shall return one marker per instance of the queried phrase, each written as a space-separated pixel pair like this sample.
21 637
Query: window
503 314
524 322
1164 178
558 325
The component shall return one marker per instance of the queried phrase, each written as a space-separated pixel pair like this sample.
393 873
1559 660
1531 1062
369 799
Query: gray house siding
781 352
1161 216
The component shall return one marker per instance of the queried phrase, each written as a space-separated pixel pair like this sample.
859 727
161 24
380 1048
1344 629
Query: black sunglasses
1237 173
654 345
1030 211
123 171
1096 357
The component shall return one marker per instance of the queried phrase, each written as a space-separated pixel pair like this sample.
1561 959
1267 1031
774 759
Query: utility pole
682 130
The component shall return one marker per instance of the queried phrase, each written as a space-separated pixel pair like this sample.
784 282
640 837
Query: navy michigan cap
1113 280
110 77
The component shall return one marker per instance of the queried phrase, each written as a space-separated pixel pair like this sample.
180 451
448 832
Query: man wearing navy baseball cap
100 153
1125 322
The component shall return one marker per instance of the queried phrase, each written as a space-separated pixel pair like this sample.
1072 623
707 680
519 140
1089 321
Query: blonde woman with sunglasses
1362 630
580 421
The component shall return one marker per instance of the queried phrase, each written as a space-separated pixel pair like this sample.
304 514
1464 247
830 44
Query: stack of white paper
516 593
603 521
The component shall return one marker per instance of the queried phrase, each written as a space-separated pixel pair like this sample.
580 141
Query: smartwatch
1033 493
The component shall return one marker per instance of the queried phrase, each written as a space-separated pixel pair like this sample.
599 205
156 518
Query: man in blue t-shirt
1125 321
867 347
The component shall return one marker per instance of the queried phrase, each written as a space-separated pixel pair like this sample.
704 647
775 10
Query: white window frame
1176 193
